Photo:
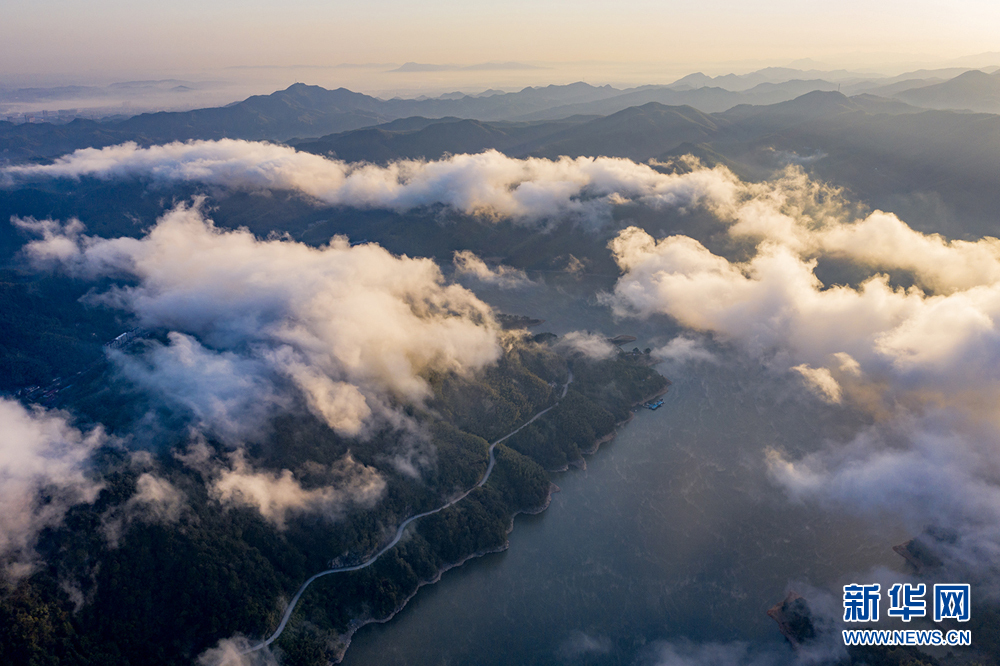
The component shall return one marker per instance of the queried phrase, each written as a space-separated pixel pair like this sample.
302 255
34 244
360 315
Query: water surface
674 532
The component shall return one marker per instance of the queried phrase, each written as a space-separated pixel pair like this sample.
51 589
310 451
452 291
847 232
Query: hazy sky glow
75 37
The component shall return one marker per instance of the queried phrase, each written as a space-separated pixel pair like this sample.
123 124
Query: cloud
44 470
579 645
775 301
921 360
505 277
792 157
278 495
820 381
684 350
576 266
254 324
589 344
931 470
60 239
884 242
219 391
157 496
156 500
233 652
488 183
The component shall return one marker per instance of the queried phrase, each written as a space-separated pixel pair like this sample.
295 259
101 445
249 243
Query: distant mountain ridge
933 167
974 91
651 130
298 111
302 111
936 168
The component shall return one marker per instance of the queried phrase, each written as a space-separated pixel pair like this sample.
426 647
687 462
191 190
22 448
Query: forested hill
161 591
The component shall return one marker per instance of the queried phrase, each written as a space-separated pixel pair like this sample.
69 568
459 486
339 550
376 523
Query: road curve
402 526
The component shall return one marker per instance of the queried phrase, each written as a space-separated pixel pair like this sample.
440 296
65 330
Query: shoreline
290 608
582 462
344 639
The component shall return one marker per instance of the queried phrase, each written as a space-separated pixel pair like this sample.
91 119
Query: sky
46 39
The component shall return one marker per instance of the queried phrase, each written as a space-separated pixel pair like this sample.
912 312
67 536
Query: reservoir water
673 535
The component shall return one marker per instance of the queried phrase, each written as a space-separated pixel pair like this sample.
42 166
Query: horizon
108 35
235 51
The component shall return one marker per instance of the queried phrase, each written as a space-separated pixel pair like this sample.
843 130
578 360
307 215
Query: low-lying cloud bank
467 264
278 495
353 329
43 471
589 344
253 329
488 183
155 500
923 360
235 652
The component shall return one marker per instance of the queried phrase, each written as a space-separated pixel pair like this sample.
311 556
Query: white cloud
43 472
821 382
590 345
684 350
278 495
60 239
155 500
885 242
220 391
505 277
922 360
935 469
353 329
488 183
804 215
846 364
775 301
234 652
158 496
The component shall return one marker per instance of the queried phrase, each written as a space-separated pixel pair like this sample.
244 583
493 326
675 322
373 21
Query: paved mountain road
402 526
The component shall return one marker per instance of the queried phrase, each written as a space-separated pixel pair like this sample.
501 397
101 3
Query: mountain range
311 111
921 149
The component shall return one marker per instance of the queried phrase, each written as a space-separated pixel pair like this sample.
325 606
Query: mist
44 465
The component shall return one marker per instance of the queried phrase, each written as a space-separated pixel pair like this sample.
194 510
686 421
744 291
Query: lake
674 533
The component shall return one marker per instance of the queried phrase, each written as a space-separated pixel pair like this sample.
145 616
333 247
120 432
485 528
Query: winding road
402 526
